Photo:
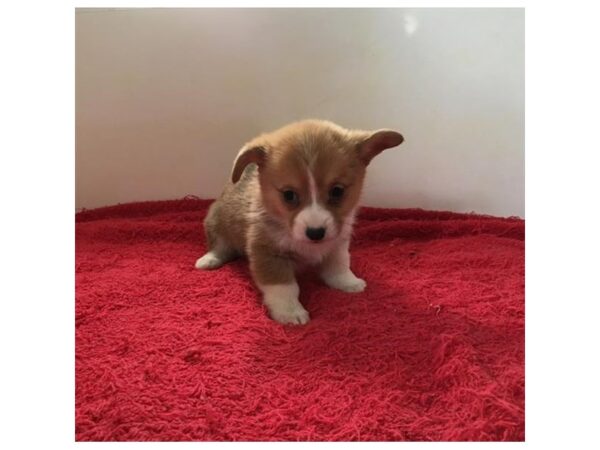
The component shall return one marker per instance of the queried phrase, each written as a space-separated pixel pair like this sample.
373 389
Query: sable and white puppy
291 202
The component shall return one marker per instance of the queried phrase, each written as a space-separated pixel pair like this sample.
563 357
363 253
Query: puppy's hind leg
219 254
219 250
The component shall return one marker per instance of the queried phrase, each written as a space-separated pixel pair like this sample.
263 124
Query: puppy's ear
374 143
248 154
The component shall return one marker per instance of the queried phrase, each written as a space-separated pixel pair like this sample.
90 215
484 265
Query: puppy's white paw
289 313
347 282
209 261
283 304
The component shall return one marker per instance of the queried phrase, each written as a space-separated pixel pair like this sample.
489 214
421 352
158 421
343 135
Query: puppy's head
311 175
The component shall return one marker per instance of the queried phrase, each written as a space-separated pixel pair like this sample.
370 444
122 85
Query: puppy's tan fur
252 218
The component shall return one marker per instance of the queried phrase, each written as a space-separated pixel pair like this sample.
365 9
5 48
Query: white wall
165 98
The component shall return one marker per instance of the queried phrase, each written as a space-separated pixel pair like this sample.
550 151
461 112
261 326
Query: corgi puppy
291 203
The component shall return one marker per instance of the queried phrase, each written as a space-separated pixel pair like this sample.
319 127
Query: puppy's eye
336 193
290 197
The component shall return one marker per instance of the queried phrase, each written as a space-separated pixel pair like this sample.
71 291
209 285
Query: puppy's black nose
315 234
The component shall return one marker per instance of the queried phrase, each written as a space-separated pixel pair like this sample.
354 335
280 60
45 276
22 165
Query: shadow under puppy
291 202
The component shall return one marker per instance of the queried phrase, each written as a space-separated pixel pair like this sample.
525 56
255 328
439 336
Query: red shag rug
432 350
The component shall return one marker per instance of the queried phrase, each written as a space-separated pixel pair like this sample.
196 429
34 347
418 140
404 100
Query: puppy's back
229 216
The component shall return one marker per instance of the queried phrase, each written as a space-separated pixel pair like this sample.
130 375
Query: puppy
291 203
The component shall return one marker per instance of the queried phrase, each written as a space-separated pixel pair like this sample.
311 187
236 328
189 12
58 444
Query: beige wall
165 98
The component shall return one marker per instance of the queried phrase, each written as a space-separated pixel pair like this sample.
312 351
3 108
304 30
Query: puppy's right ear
247 155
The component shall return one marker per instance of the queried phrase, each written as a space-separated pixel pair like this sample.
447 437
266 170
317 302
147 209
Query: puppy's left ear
376 142
248 154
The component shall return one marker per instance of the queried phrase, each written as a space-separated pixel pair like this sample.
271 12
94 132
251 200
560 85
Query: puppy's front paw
289 313
347 282
209 261
283 304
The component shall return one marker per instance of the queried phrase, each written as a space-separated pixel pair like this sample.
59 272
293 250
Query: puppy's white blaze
313 215
283 304
312 186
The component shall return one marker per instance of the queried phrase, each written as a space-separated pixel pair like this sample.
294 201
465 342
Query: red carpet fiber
432 350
